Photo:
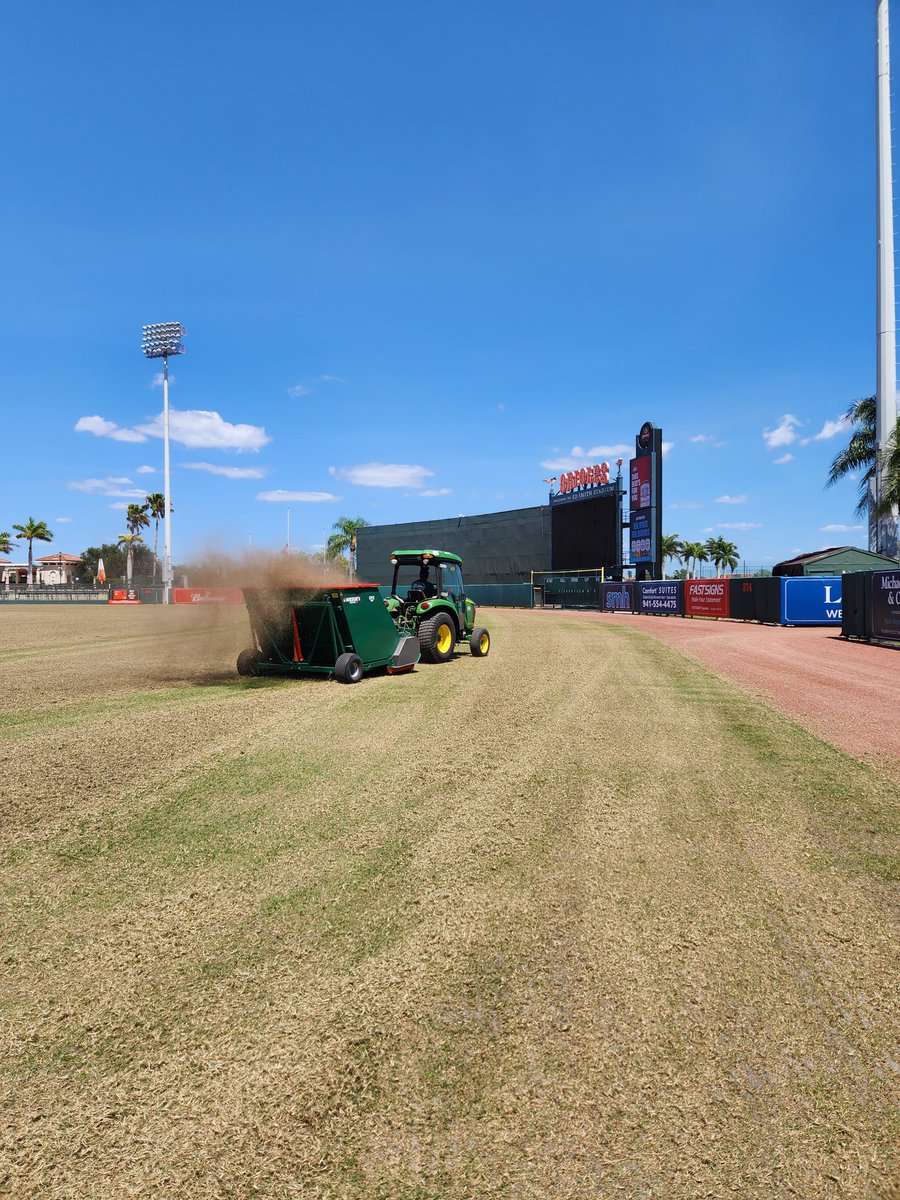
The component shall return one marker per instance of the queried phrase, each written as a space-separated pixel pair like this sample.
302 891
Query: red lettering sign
706 598
594 476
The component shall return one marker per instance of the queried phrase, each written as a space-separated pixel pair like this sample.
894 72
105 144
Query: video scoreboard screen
584 533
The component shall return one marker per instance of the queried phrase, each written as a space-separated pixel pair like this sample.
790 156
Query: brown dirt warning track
582 920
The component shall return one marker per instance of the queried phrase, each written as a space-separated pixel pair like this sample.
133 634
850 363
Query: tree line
857 459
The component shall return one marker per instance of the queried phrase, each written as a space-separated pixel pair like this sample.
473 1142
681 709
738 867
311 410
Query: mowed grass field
576 920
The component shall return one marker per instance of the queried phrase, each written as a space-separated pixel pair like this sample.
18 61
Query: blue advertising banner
886 605
641 540
665 599
618 597
811 600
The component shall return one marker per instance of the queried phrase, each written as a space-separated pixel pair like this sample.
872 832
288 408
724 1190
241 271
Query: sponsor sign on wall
207 596
618 597
641 535
706 598
661 598
811 600
886 605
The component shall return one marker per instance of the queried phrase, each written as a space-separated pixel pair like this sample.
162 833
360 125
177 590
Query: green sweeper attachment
342 631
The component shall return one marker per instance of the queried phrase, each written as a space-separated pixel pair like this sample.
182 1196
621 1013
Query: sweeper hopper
342 631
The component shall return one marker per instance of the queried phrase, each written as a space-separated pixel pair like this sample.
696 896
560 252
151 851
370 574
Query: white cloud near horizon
227 472
203 429
279 496
62 520
146 471
110 486
433 492
384 475
579 457
784 432
731 499
829 430
785 458
100 427
840 528
739 525
196 428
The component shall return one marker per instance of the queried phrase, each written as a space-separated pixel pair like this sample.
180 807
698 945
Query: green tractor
428 600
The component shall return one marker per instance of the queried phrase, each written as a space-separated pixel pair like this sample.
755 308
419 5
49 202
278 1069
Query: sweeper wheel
348 669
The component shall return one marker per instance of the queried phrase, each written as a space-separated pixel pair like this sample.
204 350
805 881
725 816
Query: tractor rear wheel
480 642
247 660
437 637
348 669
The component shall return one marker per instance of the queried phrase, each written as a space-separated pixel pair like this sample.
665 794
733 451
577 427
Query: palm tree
728 555
693 553
136 517
6 543
858 456
156 504
344 538
713 555
129 541
671 548
30 532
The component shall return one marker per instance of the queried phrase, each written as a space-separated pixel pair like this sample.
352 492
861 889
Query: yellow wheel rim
483 642
444 639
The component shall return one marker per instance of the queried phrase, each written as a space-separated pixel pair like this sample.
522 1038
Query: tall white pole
883 530
167 518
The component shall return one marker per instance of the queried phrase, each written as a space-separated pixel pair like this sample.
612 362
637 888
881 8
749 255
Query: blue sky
428 254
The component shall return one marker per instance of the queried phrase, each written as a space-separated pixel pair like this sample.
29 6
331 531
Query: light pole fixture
161 341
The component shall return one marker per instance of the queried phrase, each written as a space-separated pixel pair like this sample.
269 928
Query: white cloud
731 499
783 434
332 379
383 475
686 504
195 428
785 458
227 472
119 504
579 457
62 520
297 391
840 528
829 430
146 471
739 525
433 492
666 447
158 378
702 437
100 427
118 486
280 496
198 428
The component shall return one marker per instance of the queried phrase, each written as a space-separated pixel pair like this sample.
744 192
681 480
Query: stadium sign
595 476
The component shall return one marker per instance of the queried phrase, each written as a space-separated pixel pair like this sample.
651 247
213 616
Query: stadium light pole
161 341
883 528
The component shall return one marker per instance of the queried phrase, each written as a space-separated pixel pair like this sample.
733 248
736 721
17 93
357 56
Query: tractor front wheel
348 669
480 642
437 637
247 660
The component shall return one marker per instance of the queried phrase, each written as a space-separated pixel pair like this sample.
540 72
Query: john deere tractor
428 599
